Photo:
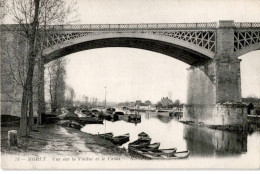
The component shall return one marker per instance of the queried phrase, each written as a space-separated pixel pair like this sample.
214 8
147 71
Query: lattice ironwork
57 38
244 39
204 39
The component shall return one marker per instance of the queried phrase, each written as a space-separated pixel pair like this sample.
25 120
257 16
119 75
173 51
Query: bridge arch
253 47
182 50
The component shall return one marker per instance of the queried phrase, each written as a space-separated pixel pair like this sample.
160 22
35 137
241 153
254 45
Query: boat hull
106 136
117 140
90 120
158 156
120 140
150 147
140 143
75 125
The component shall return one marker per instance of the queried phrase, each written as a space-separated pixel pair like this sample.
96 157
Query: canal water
200 141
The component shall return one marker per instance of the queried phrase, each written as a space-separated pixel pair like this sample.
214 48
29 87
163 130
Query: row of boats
142 147
96 116
80 117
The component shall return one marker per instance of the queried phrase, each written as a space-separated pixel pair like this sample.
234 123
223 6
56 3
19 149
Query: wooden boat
143 135
140 143
154 155
116 114
165 152
75 125
134 116
119 140
86 112
150 147
107 136
96 110
109 114
123 117
90 120
176 155
110 110
125 108
180 155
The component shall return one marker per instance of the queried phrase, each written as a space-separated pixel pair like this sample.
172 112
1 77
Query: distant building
250 109
132 104
138 102
253 105
148 102
166 102
253 109
178 108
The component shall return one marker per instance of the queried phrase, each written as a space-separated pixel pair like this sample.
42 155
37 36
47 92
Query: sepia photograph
130 84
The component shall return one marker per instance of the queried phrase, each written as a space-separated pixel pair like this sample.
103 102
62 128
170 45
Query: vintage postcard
130 84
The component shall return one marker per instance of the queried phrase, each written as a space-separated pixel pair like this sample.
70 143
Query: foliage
56 83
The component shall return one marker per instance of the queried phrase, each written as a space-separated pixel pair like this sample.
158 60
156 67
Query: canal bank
58 140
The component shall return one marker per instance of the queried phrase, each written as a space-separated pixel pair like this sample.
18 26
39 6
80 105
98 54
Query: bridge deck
142 26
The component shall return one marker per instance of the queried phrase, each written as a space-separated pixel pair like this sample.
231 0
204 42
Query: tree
85 99
33 16
147 102
177 102
159 105
13 66
69 96
56 83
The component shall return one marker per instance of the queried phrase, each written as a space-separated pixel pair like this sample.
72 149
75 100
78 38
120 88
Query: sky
131 74
128 74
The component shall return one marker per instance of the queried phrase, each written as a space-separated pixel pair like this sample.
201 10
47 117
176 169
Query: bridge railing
143 26
247 24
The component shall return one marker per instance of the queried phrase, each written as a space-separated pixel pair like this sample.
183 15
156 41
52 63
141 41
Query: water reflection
135 121
163 119
201 141
209 142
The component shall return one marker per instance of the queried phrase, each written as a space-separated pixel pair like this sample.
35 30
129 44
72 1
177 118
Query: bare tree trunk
26 97
41 102
55 106
50 87
27 90
23 120
31 118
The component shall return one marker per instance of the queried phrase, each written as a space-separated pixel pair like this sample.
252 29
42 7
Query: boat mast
105 106
105 96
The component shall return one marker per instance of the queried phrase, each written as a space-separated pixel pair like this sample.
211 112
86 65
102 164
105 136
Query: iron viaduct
211 50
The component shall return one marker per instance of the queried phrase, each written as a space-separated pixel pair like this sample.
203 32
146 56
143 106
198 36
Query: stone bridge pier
214 89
